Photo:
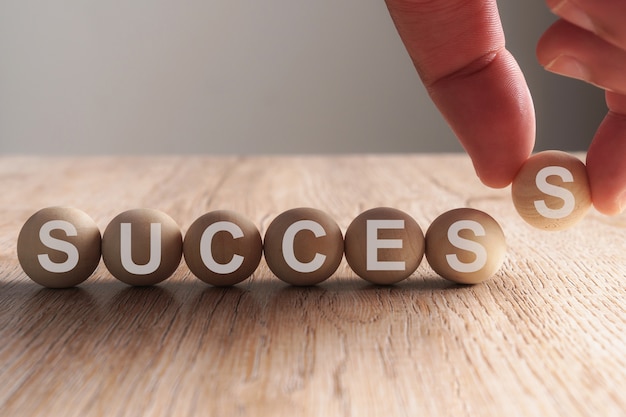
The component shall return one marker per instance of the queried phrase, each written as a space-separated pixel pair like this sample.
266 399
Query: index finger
458 49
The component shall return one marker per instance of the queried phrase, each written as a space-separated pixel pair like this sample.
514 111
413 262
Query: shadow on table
82 332
110 306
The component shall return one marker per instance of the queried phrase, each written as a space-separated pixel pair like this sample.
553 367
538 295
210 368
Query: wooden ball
384 245
551 190
465 246
222 248
59 247
303 246
142 246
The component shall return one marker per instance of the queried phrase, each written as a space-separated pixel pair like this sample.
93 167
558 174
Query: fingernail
569 67
572 13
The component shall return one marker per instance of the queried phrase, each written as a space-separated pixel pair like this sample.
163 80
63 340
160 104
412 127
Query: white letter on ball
58 244
374 243
569 202
205 247
468 245
126 250
288 252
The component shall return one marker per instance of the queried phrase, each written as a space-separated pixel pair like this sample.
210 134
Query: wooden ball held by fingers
303 246
59 247
384 245
551 190
465 246
142 246
222 248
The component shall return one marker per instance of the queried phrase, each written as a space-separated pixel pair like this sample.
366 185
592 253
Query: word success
61 247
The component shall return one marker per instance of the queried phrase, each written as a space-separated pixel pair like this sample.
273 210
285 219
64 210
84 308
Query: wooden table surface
544 337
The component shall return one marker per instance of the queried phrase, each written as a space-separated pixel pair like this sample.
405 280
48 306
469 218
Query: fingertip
499 172
493 181
495 121
605 166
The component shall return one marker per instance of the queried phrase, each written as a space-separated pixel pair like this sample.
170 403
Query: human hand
589 43
458 49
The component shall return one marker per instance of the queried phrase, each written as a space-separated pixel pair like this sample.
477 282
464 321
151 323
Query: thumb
457 47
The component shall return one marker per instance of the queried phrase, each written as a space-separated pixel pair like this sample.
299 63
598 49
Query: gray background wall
242 76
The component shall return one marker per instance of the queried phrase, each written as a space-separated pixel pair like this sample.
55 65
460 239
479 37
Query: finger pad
605 164
492 113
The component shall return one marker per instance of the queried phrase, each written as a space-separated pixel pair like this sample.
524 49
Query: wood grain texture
544 337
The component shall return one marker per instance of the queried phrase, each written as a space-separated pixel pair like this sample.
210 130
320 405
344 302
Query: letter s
57 244
569 201
468 245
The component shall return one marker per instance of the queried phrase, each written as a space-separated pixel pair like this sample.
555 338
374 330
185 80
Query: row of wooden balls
60 247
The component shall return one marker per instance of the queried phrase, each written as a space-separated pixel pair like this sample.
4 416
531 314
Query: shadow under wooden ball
62 308
138 304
